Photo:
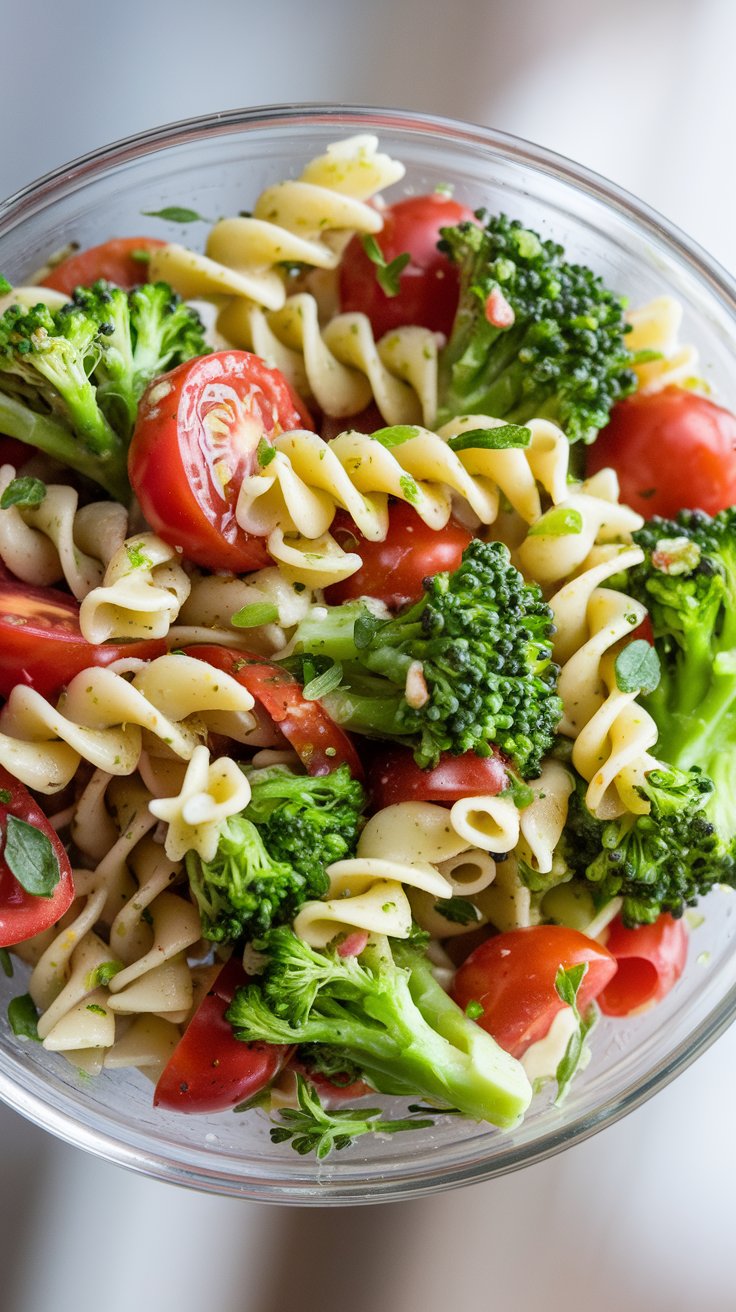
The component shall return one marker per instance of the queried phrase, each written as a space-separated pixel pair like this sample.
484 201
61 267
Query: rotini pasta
210 793
655 328
59 540
140 595
367 893
100 717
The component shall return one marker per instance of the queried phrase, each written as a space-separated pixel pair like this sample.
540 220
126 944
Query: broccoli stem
106 467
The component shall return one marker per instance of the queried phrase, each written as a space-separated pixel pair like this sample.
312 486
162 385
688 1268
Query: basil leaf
176 214
31 857
409 489
102 974
255 614
265 453
387 275
137 557
323 683
396 435
459 910
23 1017
5 797
505 437
364 631
567 983
6 963
23 492
637 667
560 522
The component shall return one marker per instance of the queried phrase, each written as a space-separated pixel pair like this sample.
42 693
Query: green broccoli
274 855
534 336
390 1017
71 379
662 861
310 1127
466 667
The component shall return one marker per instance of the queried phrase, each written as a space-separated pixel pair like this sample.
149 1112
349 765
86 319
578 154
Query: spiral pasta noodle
655 328
293 499
293 222
101 716
210 793
59 540
140 595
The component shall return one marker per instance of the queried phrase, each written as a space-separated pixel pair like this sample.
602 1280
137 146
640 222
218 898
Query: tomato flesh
512 976
394 776
672 450
320 744
651 959
210 1070
24 914
41 643
196 438
113 260
429 285
393 570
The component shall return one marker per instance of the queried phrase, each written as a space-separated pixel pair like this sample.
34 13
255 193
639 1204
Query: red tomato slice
41 643
393 570
512 976
650 960
394 776
320 744
671 450
24 914
210 1070
13 452
429 284
196 438
331 1094
114 260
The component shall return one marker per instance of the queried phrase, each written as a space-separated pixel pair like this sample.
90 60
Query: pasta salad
366 647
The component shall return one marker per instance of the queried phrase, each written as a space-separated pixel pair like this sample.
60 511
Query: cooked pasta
655 331
367 893
210 793
140 595
542 822
101 715
292 222
293 499
215 598
59 540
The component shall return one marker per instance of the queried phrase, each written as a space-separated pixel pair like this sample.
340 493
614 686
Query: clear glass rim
18 1092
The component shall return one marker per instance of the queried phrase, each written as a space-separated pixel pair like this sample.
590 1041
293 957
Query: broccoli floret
467 667
308 821
389 1016
143 333
70 380
688 583
662 861
273 856
534 336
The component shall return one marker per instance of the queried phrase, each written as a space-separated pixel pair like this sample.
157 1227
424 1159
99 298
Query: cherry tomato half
196 438
24 914
393 570
13 452
320 744
671 450
512 976
428 285
210 1070
651 959
394 776
121 260
41 643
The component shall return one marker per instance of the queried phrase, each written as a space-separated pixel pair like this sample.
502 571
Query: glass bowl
217 165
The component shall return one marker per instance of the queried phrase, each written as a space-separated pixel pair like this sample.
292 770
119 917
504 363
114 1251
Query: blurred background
642 1216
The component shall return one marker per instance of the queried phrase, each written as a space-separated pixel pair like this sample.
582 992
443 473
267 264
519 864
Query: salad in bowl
368 575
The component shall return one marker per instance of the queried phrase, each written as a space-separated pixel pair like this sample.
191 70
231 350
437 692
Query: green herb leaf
176 214
387 275
255 614
313 1128
23 1017
6 963
23 492
459 910
409 489
396 435
102 974
365 628
265 453
567 985
5 286
474 1010
96 1008
323 683
503 438
637 667
137 556
5 797
141 257
31 858
560 522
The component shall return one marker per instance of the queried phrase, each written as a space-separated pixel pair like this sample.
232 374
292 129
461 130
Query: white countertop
642 1216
